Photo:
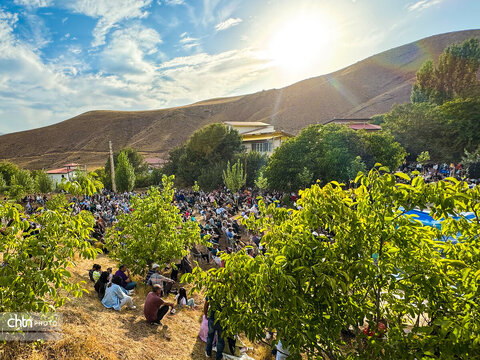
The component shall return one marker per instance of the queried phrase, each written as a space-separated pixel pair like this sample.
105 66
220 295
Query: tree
382 148
234 177
21 184
328 152
36 255
261 182
423 158
253 161
471 161
135 159
369 262
153 232
3 184
420 127
206 148
43 183
124 174
8 169
463 119
454 76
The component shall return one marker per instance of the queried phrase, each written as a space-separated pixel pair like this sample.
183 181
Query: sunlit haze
61 58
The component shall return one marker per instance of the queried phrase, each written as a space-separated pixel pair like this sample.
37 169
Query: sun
300 43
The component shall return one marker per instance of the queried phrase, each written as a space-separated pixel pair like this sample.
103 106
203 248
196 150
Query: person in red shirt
155 308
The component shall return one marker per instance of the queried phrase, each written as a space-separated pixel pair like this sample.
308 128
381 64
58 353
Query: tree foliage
206 148
253 161
153 232
124 174
43 183
455 74
36 255
234 177
135 159
329 152
370 262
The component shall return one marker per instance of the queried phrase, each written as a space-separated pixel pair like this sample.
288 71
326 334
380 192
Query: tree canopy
454 75
153 232
353 258
329 152
206 148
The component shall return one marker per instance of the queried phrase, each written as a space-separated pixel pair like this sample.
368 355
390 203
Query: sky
60 58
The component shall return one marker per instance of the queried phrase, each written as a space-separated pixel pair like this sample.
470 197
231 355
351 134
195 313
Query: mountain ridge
368 87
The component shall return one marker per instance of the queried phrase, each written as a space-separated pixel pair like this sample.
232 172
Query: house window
262 147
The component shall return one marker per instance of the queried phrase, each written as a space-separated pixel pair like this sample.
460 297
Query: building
356 124
259 136
67 172
155 162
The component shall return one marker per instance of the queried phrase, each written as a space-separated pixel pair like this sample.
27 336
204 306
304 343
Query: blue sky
59 58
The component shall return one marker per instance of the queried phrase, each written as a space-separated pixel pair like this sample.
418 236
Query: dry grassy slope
90 331
368 87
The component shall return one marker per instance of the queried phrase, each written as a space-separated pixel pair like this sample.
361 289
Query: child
182 301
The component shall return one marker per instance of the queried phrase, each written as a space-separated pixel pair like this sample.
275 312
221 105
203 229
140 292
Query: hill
369 87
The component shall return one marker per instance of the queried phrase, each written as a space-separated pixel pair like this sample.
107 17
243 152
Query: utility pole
112 167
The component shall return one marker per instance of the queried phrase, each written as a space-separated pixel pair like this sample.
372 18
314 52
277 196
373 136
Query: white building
259 136
67 172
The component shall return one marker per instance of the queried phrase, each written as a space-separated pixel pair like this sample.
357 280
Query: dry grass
90 331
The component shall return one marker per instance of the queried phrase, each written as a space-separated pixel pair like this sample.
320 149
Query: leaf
403 176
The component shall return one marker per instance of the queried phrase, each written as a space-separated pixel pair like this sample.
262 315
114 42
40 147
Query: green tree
463 118
423 158
455 74
34 275
8 169
382 148
153 232
206 148
261 182
325 153
3 184
124 174
420 127
43 183
370 262
253 161
135 159
234 177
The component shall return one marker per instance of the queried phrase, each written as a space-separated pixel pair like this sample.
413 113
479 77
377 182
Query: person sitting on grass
158 279
95 267
182 300
114 296
96 273
124 274
155 308
101 284
152 271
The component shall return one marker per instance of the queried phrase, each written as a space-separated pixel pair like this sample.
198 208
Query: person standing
213 327
155 308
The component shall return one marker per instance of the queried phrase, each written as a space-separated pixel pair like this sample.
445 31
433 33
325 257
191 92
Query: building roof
71 165
60 171
365 126
265 136
246 123
346 121
155 160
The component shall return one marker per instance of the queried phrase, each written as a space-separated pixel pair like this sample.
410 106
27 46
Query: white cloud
126 53
34 3
174 2
109 13
35 93
422 5
224 25
188 42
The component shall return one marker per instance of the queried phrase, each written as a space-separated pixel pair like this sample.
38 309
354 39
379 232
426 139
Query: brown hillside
366 88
